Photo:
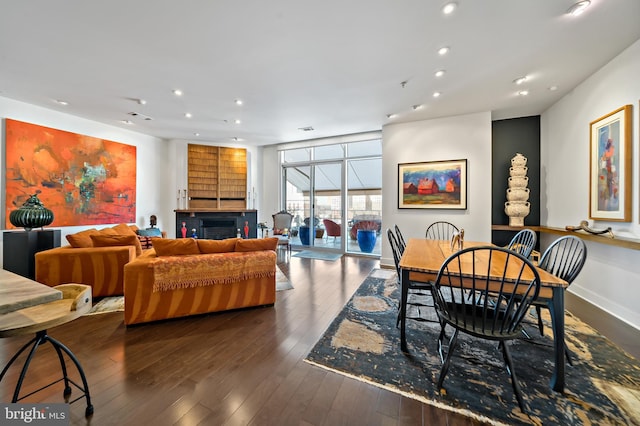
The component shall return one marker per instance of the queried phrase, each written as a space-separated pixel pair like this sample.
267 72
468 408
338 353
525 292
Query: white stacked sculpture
517 205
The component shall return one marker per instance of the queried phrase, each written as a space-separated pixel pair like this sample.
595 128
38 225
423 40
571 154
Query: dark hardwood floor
238 368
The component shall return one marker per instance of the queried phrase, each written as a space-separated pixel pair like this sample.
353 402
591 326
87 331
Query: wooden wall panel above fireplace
217 177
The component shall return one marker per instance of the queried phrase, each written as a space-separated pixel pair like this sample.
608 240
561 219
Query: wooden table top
426 256
18 292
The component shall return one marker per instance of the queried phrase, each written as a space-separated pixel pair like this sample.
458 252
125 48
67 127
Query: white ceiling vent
138 115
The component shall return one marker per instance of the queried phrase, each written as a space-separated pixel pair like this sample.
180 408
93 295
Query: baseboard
620 332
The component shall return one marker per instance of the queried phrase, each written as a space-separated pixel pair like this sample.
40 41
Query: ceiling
338 66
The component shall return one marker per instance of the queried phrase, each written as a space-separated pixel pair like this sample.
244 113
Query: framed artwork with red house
433 185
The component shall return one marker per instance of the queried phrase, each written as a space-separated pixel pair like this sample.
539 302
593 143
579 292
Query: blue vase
305 232
366 240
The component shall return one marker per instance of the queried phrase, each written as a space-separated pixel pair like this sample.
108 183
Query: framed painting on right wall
610 166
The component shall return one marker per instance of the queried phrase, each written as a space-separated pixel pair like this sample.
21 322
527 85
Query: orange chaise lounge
185 276
93 257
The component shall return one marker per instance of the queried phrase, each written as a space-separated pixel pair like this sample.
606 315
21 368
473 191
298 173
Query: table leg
556 308
404 292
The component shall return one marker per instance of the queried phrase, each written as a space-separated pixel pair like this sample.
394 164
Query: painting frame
433 185
84 180
610 169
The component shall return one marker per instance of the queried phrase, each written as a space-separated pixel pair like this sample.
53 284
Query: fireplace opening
218 229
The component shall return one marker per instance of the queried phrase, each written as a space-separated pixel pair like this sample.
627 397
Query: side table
20 247
33 309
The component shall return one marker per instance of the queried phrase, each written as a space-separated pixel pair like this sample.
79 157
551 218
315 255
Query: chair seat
464 320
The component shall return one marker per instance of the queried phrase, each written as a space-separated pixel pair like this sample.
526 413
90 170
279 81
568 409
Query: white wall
152 155
611 277
451 138
270 182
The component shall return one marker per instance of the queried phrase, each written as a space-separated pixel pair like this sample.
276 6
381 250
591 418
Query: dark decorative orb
31 215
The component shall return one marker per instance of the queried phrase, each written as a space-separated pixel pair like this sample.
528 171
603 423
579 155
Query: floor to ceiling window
334 190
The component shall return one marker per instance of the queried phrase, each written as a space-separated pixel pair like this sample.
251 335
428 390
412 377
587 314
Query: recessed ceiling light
439 73
523 92
306 128
127 121
237 139
196 134
187 115
237 121
238 101
177 92
520 80
390 116
142 102
578 7
449 7
553 88
58 101
417 107
436 94
443 50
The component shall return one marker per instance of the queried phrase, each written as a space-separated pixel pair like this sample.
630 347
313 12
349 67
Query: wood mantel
624 242
210 210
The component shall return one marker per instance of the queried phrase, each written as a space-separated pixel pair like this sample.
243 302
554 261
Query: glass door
327 205
314 195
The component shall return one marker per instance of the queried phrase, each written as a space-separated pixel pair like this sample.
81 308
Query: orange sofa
93 257
183 277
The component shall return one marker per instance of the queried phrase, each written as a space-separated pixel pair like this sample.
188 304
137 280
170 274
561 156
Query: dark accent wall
508 137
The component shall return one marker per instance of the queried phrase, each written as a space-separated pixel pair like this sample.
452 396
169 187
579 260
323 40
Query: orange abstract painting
82 179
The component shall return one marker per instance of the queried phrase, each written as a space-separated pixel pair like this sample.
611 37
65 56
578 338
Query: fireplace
218 229
217 224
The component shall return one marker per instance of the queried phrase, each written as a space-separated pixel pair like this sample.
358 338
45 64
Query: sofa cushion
82 239
257 244
180 246
150 232
109 231
117 240
217 246
123 229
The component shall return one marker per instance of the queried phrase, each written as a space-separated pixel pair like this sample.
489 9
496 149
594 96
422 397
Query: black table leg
556 308
404 280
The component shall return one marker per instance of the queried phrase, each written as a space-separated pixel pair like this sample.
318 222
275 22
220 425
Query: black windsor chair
491 309
441 230
417 291
564 258
523 242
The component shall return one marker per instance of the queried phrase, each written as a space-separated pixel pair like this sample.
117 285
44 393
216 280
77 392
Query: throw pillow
150 232
217 246
257 244
117 240
145 242
180 246
82 239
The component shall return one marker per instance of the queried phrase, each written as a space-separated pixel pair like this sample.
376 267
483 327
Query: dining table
421 262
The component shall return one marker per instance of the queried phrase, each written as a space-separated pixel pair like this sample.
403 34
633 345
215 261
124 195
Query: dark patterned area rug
603 385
